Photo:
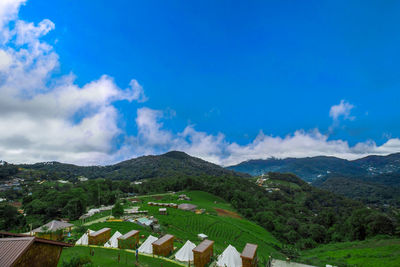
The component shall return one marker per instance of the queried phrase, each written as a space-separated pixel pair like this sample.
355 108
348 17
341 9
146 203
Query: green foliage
10 219
118 210
371 252
77 261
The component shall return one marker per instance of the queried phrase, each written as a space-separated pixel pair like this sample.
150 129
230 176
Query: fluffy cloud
343 109
154 139
46 118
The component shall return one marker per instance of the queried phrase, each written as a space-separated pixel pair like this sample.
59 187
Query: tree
118 210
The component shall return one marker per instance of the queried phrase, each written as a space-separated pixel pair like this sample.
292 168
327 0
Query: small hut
187 206
202 253
129 240
163 211
53 230
100 237
249 255
164 246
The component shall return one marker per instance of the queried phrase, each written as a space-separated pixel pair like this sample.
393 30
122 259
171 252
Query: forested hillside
313 168
167 165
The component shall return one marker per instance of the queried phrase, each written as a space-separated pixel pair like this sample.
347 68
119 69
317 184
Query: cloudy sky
226 81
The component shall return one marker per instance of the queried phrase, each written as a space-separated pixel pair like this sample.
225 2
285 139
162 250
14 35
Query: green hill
171 164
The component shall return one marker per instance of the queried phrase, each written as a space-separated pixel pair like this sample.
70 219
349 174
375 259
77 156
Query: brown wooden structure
24 250
249 255
202 253
129 240
100 237
164 246
163 211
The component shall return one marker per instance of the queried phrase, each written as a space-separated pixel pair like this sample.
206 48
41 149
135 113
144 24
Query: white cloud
154 139
45 118
137 92
343 109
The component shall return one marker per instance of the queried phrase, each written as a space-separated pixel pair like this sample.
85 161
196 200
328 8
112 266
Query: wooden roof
163 239
129 234
100 231
249 251
203 246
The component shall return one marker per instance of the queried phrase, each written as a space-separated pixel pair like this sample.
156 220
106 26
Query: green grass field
373 252
109 257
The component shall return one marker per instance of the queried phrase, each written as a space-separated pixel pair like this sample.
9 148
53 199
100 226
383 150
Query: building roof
204 245
129 234
41 240
163 239
15 245
249 251
186 206
100 231
52 226
12 248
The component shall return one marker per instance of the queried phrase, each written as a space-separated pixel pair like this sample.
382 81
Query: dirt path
96 221
227 213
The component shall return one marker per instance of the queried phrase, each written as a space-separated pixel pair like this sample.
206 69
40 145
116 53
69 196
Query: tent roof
147 247
113 241
84 240
185 253
230 258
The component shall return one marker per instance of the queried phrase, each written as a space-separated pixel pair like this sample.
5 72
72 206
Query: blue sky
235 68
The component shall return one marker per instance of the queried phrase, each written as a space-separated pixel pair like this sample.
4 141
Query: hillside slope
171 164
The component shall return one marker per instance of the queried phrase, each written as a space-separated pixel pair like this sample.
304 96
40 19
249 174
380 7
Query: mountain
171 164
313 168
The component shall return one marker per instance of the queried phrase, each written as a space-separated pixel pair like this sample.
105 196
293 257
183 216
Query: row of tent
230 257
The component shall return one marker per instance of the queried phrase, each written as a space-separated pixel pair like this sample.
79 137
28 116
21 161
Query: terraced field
187 225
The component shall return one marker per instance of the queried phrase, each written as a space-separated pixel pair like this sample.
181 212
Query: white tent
185 253
229 258
146 247
113 241
84 240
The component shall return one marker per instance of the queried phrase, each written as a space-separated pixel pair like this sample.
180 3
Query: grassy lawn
384 252
109 257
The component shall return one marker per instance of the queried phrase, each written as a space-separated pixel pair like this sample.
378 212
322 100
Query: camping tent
146 247
185 253
113 241
229 258
84 240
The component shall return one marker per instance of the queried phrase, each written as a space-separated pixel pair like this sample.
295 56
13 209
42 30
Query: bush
77 261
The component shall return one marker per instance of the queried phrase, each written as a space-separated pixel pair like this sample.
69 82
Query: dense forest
167 165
